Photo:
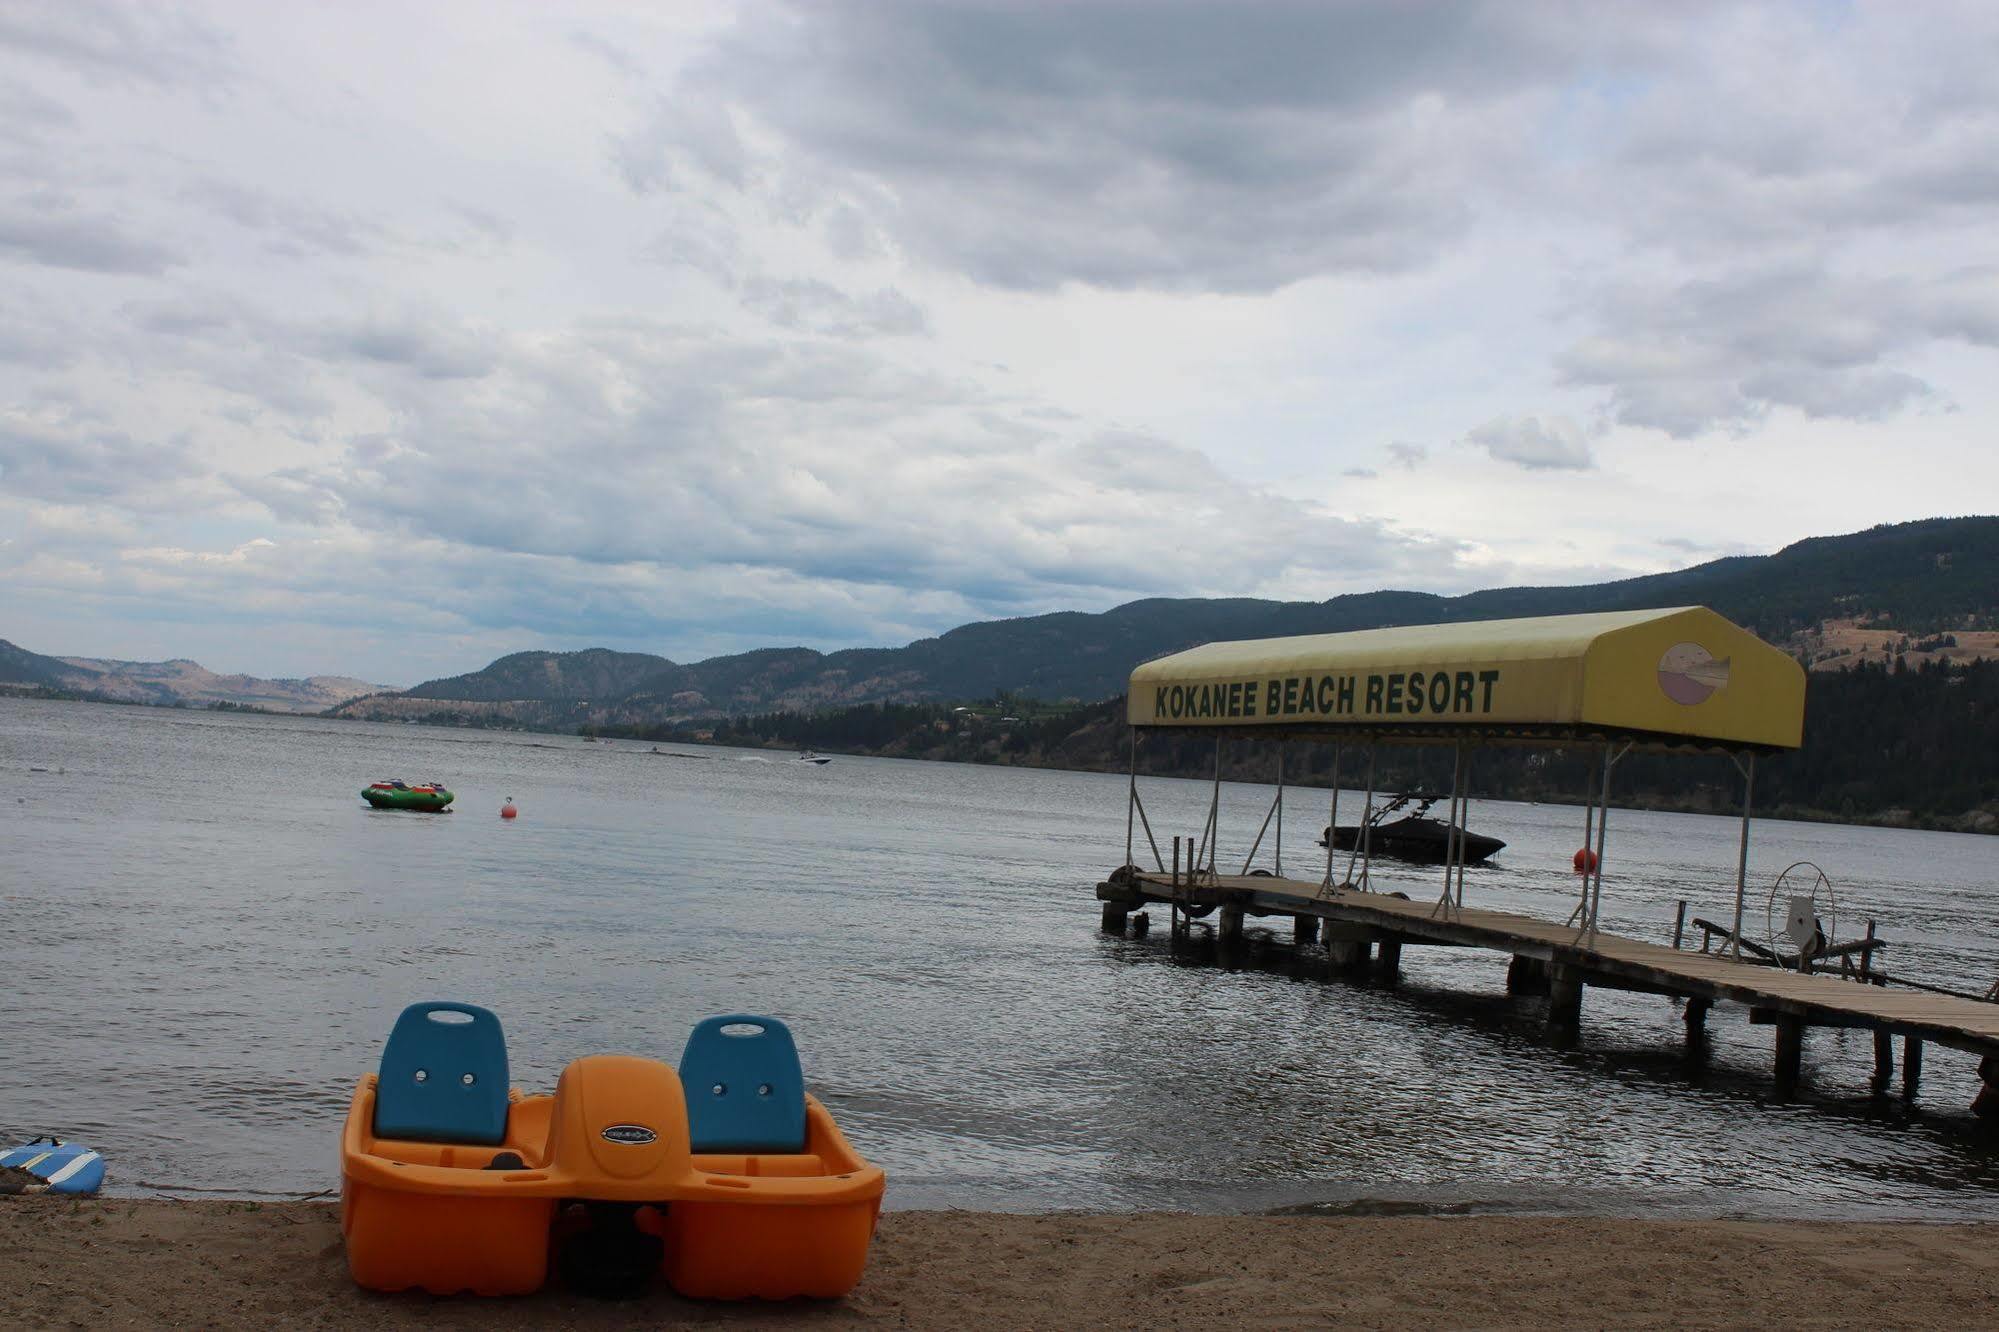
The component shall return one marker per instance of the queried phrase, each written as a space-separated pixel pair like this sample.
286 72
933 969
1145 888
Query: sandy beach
223 1264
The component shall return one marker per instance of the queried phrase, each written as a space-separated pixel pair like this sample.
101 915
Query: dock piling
1304 929
1695 1018
1884 1061
1114 917
1230 928
1912 1066
1565 997
1986 1104
1790 1053
1388 963
1526 975
1347 955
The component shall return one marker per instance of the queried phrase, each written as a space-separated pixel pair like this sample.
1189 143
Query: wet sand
125 1263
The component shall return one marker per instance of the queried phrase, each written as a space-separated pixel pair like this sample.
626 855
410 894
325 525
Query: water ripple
206 976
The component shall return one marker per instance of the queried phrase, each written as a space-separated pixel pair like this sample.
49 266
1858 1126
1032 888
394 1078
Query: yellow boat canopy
1660 678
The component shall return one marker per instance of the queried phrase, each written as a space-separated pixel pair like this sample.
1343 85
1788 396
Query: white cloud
1179 146
43 227
118 43
1557 444
709 326
1723 352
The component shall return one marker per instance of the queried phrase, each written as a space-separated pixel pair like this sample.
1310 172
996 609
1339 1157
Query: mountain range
1929 587
171 683
1926 590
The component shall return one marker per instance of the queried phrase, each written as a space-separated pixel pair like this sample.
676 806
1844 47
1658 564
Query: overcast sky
383 339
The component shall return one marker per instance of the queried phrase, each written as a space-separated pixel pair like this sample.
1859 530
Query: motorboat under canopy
1659 679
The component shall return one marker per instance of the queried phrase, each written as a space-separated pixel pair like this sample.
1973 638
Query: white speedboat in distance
807 756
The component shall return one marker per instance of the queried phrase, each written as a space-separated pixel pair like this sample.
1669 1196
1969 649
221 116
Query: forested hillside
1916 746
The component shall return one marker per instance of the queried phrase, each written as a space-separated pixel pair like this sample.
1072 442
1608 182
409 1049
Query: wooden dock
1370 929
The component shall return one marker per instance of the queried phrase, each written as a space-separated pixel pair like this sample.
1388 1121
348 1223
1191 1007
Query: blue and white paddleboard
63 1167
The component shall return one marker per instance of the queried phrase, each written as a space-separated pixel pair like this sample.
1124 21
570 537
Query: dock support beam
1388 962
1114 917
1526 975
1565 997
1790 1053
1884 1061
1912 1066
1304 929
1229 930
1696 1019
1986 1104
1347 954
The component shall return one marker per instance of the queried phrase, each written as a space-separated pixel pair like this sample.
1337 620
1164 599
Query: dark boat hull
1425 841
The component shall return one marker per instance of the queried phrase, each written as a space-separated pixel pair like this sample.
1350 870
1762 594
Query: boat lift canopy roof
1659 679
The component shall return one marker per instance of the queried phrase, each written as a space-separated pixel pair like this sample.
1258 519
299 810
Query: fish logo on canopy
1689 673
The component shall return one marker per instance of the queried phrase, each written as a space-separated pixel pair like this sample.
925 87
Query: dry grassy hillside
1838 644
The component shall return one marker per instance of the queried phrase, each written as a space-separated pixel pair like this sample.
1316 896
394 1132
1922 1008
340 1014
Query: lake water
207 937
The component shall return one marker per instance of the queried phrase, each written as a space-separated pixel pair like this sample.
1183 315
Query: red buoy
1585 861
507 811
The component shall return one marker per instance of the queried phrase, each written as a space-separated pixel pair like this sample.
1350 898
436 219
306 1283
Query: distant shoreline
1891 818
1973 823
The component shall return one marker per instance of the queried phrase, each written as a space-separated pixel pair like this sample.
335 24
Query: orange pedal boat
724 1178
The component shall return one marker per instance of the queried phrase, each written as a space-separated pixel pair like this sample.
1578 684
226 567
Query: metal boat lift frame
1201 863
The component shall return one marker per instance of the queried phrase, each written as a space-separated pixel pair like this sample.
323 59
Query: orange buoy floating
507 811
1585 861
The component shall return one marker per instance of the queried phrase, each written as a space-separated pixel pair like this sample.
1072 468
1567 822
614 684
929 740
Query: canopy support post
1213 832
1748 771
1332 818
1452 844
1139 806
1146 823
1464 829
1363 837
1131 801
1594 894
1589 841
1278 857
1274 812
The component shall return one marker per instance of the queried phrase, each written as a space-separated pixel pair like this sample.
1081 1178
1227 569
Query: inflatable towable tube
429 797
62 1167
451 1181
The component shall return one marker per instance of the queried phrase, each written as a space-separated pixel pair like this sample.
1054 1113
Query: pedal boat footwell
444 1218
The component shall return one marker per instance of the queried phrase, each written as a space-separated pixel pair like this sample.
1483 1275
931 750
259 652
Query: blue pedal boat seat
745 1090
443 1076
